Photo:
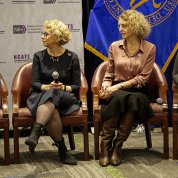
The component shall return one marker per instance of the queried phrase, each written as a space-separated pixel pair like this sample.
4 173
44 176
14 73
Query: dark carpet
138 162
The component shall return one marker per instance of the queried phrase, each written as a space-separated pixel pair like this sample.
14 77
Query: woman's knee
49 103
56 114
47 106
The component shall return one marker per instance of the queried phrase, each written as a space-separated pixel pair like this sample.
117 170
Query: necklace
56 59
132 51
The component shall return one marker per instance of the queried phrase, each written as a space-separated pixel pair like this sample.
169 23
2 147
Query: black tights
48 116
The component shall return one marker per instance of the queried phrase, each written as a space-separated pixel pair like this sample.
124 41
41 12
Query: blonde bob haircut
137 22
59 30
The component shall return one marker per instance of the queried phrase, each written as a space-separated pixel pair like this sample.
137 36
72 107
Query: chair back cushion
22 83
156 79
98 77
83 85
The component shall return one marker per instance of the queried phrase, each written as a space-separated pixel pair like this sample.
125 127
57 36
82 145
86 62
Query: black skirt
127 100
65 102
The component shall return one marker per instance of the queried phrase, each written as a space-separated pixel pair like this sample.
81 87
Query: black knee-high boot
65 156
32 140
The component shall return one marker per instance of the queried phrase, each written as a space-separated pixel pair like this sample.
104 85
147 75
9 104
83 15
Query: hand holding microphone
55 76
56 82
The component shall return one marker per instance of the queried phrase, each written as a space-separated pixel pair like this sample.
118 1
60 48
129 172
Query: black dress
68 68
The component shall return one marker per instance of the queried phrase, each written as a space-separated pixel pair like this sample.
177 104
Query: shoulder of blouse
117 43
147 44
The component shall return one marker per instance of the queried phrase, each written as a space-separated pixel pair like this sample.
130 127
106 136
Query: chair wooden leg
176 142
71 138
166 140
96 140
6 146
175 138
148 136
86 143
16 144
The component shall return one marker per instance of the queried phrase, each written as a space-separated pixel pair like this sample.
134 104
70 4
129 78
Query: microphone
55 76
159 101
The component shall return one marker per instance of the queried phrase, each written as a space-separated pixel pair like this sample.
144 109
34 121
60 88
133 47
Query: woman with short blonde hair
59 30
55 83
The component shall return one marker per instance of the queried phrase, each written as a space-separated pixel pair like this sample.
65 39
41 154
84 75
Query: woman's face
48 39
125 31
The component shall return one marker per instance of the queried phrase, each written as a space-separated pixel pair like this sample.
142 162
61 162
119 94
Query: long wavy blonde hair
137 22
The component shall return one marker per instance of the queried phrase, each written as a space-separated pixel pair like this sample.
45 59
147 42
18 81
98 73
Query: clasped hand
106 91
59 86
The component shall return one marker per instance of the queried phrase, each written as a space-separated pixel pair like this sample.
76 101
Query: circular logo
156 11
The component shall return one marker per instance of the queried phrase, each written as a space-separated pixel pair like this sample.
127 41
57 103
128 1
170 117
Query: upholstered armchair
4 120
23 118
158 89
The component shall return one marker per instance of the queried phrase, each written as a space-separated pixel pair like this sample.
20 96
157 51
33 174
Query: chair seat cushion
25 112
157 108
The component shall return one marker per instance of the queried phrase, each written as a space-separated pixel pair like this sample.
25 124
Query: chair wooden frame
175 120
159 118
4 120
23 118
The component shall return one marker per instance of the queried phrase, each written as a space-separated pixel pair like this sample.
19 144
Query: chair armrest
175 97
3 95
16 90
175 88
96 85
83 98
15 103
4 106
95 91
163 94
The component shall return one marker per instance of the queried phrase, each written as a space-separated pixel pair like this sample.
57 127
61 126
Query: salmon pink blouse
122 67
